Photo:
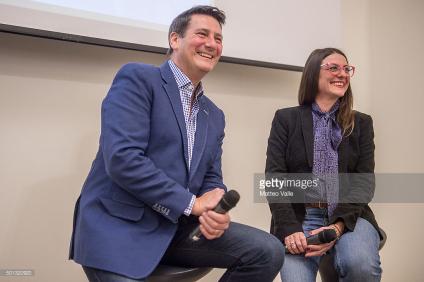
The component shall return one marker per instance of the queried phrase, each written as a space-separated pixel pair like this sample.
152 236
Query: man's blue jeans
248 254
356 255
97 275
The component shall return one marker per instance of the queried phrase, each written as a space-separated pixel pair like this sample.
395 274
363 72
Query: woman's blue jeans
356 255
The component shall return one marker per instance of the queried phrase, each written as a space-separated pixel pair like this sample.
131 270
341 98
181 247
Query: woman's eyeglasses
335 69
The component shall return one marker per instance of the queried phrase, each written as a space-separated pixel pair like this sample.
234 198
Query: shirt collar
332 112
182 80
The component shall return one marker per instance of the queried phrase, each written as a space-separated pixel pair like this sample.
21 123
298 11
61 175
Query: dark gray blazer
290 150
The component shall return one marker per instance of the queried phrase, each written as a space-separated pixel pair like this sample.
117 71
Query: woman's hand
296 243
319 250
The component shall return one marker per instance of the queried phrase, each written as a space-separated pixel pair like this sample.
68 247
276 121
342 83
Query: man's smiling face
198 50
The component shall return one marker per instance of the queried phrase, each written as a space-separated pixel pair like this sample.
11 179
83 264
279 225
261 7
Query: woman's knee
359 266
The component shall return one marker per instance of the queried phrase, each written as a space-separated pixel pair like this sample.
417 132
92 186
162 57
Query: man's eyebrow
208 31
202 29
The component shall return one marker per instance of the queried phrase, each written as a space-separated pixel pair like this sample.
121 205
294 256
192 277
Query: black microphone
227 202
325 236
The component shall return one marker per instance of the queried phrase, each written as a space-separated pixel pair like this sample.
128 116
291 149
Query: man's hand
212 224
207 201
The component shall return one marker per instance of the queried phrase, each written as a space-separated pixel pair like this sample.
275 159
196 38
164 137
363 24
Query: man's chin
206 67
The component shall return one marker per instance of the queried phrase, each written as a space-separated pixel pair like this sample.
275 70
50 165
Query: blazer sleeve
125 132
284 221
361 182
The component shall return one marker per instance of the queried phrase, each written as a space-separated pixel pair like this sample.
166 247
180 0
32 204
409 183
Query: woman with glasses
326 139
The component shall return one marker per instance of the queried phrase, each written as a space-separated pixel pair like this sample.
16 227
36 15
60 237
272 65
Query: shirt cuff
187 211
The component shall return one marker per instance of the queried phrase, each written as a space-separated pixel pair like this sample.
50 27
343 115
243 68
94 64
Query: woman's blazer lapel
307 132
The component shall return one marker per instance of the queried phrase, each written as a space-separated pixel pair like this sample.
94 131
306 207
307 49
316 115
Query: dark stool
167 273
326 267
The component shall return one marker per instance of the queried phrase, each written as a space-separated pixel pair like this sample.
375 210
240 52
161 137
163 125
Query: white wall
50 94
385 40
397 99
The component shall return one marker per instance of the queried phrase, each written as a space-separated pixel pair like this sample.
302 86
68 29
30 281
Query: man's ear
174 40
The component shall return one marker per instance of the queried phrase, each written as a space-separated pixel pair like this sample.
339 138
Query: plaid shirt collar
183 81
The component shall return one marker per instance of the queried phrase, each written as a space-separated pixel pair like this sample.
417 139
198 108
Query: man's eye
201 34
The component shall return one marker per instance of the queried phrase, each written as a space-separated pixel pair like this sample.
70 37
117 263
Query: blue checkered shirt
187 90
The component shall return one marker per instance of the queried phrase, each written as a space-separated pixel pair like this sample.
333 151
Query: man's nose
211 43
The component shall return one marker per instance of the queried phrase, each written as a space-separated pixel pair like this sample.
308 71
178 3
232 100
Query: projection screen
270 33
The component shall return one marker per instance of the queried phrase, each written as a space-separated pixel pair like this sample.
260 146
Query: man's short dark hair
180 23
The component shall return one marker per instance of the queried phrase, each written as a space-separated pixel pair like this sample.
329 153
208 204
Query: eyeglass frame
339 68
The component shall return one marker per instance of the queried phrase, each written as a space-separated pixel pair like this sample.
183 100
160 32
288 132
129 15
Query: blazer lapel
171 89
308 132
200 137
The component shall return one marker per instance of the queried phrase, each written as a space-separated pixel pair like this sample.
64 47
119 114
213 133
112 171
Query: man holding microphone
157 174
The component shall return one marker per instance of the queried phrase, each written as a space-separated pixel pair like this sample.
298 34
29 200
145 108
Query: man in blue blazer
157 173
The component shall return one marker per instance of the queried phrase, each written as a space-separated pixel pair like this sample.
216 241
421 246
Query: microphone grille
231 198
328 235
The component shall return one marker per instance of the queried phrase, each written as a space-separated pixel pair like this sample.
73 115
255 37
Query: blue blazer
139 183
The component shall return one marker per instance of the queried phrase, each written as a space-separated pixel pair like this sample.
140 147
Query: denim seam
337 263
